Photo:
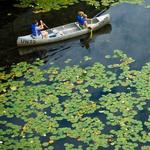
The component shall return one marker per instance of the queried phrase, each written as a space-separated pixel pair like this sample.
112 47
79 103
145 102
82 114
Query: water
16 22
129 32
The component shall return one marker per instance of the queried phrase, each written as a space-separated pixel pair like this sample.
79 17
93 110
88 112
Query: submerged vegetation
47 5
43 108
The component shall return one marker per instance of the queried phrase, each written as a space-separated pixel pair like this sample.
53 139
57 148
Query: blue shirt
81 20
35 30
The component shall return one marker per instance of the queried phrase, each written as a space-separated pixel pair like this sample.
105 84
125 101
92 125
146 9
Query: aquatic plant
47 5
43 107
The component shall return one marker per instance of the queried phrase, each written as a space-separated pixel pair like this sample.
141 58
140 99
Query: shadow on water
50 50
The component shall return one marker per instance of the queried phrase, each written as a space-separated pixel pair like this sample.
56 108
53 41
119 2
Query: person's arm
44 25
38 28
86 17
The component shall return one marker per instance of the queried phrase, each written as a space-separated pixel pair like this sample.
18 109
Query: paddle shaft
101 12
91 34
46 26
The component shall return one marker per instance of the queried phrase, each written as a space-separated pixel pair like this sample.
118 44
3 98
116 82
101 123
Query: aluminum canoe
64 32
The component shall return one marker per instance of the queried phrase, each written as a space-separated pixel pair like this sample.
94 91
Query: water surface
129 32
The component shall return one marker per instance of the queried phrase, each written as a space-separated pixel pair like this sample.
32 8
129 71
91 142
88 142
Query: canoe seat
57 33
52 34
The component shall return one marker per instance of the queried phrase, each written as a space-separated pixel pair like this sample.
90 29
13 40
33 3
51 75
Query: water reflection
50 50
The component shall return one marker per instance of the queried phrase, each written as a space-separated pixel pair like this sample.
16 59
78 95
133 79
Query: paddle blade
91 34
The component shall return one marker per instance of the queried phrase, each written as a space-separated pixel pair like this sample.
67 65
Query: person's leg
87 25
44 34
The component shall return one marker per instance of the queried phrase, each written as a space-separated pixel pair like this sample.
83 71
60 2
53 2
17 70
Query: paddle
101 12
46 26
91 34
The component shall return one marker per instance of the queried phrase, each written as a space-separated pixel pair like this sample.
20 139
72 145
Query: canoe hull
67 31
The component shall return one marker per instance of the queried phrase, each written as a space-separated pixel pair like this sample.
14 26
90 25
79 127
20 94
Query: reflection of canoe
64 44
64 32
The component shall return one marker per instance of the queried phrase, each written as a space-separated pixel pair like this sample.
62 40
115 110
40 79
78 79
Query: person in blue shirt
36 31
82 19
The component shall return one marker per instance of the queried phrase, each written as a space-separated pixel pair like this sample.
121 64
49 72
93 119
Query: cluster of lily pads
47 108
47 5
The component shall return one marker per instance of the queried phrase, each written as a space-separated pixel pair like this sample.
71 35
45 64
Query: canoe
64 32
50 48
